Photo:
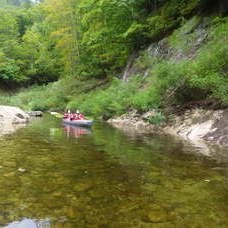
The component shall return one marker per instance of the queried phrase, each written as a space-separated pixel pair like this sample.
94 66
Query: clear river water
57 176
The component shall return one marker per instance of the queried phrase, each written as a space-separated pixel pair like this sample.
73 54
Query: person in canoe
79 116
73 116
66 115
77 119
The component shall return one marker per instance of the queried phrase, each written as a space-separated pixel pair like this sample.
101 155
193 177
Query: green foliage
25 45
137 34
158 26
173 8
209 71
142 100
81 38
171 13
110 102
156 119
4 98
86 42
188 80
189 6
145 61
36 107
167 83
9 71
219 20
146 99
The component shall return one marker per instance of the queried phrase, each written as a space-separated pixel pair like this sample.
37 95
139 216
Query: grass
156 119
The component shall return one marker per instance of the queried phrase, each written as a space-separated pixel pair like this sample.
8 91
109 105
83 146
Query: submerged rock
22 170
82 187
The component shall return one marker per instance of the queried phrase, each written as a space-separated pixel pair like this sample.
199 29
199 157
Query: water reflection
108 179
29 223
76 131
9 128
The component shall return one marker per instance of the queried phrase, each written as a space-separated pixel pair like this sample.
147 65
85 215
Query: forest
70 54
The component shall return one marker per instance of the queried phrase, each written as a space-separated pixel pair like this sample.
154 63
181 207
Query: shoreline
204 129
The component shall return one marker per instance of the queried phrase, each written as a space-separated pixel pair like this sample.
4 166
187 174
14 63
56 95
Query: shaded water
102 178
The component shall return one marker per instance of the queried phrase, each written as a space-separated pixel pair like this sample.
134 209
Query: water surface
61 176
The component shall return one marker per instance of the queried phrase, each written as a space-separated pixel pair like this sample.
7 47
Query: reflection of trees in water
107 180
72 184
75 131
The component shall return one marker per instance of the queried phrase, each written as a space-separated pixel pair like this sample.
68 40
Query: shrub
112 101
146 99
156 119
209 71
158 26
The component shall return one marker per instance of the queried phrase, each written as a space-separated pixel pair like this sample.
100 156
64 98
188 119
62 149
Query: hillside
108 57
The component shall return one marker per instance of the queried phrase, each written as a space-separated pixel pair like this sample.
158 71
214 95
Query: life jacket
75 116
65 116
72 116
81 117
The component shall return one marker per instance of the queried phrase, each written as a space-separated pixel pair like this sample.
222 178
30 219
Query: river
53 175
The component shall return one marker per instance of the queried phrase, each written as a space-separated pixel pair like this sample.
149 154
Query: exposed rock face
163 50
205 130
194 124
219 130
134 121
11 118
197 125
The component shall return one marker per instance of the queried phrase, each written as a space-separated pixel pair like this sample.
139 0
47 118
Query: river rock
22 170
133 121
11 118
82 187
12 115
149 114
35 113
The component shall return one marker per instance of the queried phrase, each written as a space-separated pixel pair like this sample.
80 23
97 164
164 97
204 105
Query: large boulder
12 115
11 118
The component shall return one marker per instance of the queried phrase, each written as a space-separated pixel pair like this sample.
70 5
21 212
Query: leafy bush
9 71
39 108
114 100
209 71
156 119
146 99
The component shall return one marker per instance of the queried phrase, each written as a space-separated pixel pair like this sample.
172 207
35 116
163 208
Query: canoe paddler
79 116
